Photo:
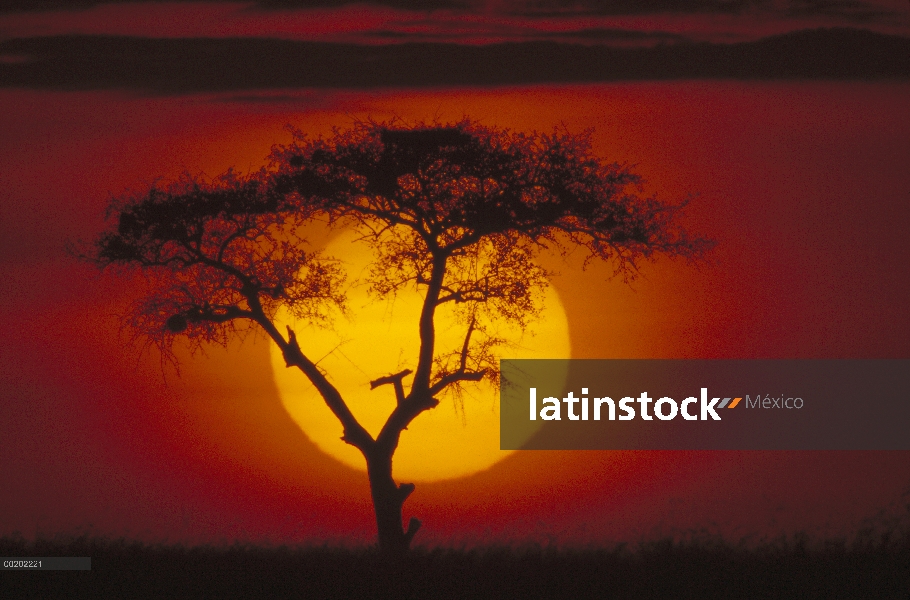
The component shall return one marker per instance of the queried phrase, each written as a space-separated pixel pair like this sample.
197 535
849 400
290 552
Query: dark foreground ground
126 570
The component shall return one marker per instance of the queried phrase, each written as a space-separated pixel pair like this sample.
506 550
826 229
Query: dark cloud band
858 10
195 65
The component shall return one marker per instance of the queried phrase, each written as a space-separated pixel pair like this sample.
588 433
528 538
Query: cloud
477 34
13 6
177 66
308 99
480 24
848 10
620 37
630 7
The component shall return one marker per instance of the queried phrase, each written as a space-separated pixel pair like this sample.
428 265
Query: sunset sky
786 122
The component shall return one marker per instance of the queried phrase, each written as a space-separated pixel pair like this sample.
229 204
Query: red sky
803 184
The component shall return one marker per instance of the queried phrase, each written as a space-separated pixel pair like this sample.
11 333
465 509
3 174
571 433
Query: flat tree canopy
457 211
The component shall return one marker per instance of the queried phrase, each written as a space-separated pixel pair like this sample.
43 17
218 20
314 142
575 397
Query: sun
457 438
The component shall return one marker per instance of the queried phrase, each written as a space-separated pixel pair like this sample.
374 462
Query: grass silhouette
662 569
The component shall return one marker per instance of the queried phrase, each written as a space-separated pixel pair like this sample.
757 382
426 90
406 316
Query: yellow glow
455 439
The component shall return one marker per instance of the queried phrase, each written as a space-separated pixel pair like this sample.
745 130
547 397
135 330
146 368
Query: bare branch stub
394 380
389 379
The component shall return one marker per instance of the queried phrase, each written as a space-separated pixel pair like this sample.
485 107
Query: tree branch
401 417
227 241
396 381
460 375
220 314
413 526
354 433
455 297
427 328
467 342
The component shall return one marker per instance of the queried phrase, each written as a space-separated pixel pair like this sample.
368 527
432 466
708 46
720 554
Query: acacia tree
456 211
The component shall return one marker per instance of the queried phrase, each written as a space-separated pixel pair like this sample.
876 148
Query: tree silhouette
456 211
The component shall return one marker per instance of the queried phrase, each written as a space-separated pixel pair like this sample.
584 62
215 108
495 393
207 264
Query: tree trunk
388 499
